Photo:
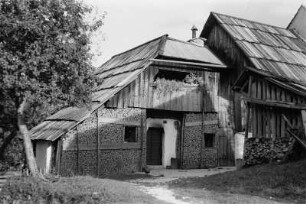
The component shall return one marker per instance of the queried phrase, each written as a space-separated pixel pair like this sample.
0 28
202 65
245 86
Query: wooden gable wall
141 93
267 103
232 114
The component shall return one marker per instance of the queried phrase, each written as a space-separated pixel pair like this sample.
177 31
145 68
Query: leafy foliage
45 58
164 86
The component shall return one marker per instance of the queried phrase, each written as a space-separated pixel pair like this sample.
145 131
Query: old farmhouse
178 104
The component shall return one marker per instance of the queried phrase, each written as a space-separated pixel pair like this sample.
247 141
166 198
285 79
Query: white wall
43 156
169 137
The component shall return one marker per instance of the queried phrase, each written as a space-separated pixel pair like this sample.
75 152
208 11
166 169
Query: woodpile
264 150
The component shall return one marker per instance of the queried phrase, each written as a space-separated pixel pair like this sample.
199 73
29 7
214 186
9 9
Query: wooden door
225 152
154 146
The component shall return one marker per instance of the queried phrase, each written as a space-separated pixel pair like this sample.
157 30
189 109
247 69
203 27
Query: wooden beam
119 121
275 103
297 138
183 64
143 137
199 123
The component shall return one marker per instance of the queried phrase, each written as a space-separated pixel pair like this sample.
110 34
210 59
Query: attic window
209 139
171 75
130 134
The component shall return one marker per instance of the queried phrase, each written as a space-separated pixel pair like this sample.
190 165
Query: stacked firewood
265 150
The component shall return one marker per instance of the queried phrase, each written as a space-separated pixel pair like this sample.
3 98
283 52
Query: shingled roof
123 68
120 71
273 50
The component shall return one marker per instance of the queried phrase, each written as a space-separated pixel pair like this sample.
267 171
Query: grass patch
83 189
127 177
286 181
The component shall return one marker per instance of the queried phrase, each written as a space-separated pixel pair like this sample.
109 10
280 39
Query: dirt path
158 188
202 196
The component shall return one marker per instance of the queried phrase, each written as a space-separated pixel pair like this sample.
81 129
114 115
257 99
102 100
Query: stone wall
195 155
96 146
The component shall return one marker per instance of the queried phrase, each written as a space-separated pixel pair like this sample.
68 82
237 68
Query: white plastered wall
43 156
169 137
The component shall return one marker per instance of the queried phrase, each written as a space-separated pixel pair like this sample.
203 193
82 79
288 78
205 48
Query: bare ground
158 187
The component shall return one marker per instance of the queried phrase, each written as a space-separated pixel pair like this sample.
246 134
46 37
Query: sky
129 23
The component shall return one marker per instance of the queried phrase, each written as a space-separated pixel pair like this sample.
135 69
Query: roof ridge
186 42
138 46
265 24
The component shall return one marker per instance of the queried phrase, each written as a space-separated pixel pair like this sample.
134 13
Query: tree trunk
6 142
28 148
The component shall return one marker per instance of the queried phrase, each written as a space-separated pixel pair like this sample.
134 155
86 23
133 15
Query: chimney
194 31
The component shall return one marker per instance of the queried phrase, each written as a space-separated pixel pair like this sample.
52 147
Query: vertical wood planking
260 122
137 87
120 99
278 124
146 88
141 90
269 130
264 121
259 96
268 91
150 88
126 97
273 124
264 88
132 94
283 127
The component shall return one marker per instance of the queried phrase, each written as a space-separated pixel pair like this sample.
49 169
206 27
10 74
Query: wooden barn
271 64
157 104
177 104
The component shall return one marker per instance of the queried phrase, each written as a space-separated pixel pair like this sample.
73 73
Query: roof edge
165 35
295 15
252 21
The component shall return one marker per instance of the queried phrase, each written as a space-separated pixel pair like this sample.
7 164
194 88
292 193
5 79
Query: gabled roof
271 49
123 68
120 71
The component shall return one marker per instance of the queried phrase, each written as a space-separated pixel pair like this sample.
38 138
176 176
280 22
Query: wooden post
203 130
182 141
78 149
142 134
303 112
98 145
247 121
58 156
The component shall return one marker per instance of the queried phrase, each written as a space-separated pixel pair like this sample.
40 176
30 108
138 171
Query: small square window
130 134
209 139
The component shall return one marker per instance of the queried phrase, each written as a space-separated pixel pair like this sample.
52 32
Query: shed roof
120 71
271 49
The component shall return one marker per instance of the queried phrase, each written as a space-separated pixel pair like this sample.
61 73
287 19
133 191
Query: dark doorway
154 146
225 152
